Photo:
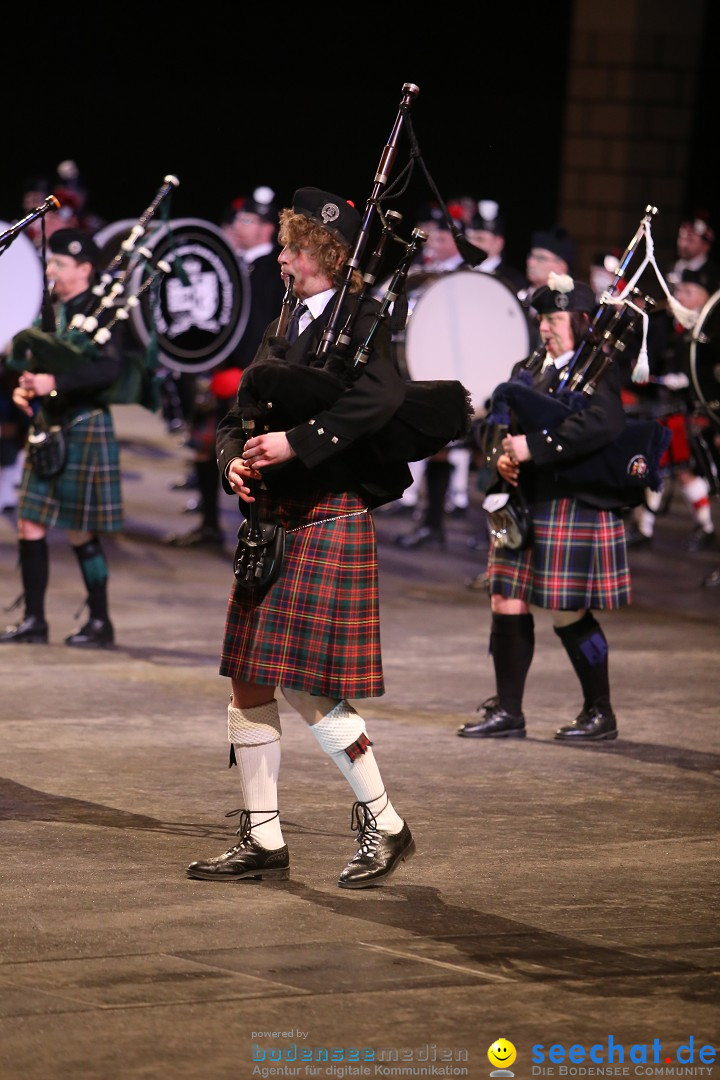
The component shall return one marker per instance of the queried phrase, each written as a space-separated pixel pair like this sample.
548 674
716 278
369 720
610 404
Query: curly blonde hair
298 231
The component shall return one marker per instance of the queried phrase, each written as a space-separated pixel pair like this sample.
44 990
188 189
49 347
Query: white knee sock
339 728
697 494
460 459
255 734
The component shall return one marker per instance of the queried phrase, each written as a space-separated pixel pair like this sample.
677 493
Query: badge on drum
199 310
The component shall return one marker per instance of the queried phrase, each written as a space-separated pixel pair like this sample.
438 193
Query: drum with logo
469 326
21 286
198 311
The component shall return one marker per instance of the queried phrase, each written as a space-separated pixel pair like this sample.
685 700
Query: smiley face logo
501 1054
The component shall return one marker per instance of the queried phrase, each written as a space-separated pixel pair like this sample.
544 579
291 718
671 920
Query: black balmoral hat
335 214
262 203
706 276
77 243
563 294
488 218
556 240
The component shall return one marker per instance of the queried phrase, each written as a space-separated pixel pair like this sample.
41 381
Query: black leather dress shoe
590 725
635 538
422 537
203 536
95 634
379 855
31 631
248 859
701 540
497 724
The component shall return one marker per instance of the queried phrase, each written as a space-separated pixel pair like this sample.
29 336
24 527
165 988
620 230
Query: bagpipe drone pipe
44 348
278 395
630 462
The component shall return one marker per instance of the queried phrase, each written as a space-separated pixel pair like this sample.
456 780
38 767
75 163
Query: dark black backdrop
300 96
229 102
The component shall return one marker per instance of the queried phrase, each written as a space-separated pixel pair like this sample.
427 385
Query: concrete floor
559 896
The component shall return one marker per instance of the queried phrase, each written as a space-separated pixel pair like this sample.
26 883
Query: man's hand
515 450
37 384
238 474
272 448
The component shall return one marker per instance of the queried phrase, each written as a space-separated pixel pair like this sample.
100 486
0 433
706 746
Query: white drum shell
469 326
21 287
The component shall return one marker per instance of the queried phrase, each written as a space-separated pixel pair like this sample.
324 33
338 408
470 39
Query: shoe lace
82 608
246 821
364 822
488 704
16 603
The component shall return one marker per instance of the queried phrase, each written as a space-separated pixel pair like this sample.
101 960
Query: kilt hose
87 495
577 559
318 626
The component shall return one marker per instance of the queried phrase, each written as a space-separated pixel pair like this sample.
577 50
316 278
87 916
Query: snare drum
469 326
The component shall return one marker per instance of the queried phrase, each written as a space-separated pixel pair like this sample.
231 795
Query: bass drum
469 326
21 287
199 311
705 357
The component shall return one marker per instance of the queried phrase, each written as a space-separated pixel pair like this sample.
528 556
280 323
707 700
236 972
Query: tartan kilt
318 626
577 559
86 496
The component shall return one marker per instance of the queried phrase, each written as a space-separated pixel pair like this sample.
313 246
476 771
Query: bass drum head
199 311
705 357
469 326
21 287
109 239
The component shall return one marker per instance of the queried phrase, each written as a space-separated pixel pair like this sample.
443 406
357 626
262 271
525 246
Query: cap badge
74 247
330 212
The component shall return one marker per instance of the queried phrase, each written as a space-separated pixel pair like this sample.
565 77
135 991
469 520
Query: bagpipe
54 351
631 462
433 412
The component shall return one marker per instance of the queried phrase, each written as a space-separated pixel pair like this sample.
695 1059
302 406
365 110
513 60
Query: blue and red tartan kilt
577 559
87 495
318 627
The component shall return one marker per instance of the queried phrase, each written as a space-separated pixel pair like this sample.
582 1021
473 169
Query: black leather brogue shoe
203 536
700 540
379 855
497 723
422 537
591 725
248 859
95 634
31 631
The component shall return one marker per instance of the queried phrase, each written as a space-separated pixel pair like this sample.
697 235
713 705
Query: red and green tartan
87 495
577 559
318 627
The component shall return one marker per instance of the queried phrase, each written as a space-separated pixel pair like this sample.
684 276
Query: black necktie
294 324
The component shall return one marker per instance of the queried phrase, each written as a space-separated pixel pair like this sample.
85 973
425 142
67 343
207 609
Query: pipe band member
576 561
314 632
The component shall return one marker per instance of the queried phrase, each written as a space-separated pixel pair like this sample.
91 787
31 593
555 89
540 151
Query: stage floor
560 896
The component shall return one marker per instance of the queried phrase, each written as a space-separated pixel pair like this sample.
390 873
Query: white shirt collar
558 362
316 305
254 253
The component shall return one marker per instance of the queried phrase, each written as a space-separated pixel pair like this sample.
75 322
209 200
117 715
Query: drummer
669 395
448 470
487 231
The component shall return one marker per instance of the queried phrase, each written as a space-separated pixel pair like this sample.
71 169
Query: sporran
509 519
47 451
